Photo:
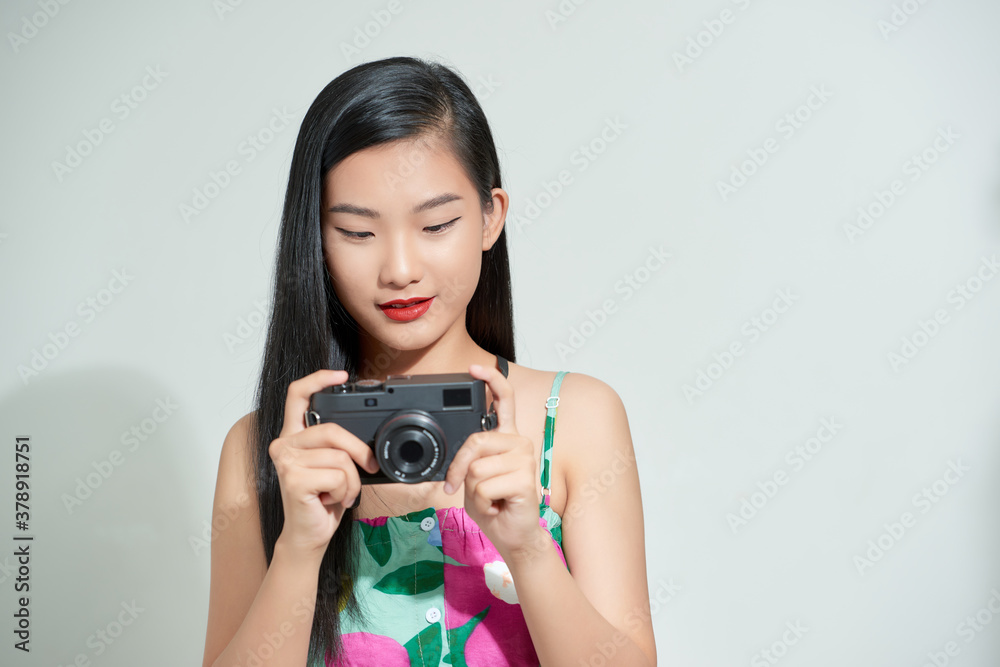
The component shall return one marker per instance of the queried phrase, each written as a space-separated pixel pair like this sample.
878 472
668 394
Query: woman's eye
437 229
434 229
353 235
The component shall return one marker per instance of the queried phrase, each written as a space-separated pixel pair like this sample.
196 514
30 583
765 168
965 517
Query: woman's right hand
315 467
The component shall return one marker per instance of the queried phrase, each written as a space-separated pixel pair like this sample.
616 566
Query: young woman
532 549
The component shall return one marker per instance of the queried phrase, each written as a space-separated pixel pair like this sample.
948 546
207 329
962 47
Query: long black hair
371 104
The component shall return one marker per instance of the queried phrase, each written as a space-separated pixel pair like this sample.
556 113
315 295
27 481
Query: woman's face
399 221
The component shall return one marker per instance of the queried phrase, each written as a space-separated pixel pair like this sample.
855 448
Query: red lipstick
405 310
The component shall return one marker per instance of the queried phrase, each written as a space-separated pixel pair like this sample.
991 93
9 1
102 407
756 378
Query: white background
549 87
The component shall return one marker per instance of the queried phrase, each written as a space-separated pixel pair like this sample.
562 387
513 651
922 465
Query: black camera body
414 423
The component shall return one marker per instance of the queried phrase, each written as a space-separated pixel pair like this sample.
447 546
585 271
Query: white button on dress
433 615
427 524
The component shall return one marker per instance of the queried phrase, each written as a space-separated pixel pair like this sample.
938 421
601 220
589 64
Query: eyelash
443 227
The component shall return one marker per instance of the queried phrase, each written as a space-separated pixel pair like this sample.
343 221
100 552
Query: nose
401 264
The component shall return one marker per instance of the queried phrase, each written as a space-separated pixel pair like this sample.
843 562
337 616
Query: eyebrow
433 202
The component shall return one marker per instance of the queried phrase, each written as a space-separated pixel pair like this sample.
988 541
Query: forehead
400 171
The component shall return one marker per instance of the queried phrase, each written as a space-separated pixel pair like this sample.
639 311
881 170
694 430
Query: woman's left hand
498 467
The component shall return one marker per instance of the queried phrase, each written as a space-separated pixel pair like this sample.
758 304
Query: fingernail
448 487
476 367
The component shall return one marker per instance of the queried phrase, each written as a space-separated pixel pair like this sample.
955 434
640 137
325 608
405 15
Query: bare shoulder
603 537
238 562
591 391
235 487
237 447
585 388
591 418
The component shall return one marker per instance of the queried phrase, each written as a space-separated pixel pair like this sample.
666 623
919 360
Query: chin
406 341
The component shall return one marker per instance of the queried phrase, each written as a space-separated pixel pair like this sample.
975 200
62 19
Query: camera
414 423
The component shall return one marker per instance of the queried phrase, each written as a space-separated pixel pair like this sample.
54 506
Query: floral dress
435 591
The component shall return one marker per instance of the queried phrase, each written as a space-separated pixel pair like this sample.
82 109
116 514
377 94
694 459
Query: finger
343 447
328 501
503 396
330 434
475 446
321 457
493 466
329 459
490 494
335 482
299 393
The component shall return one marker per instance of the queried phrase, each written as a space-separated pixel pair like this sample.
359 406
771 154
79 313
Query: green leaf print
425 647
458 637
420 577
378 542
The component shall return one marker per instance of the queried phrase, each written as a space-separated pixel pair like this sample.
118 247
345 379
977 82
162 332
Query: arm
605 600
253 608
279 622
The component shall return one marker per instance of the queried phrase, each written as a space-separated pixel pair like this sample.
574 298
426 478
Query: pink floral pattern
434 591
423 587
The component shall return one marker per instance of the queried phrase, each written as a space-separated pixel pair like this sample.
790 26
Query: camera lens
410 446
410 451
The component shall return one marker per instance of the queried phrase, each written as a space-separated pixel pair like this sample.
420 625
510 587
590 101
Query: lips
404 302
404 310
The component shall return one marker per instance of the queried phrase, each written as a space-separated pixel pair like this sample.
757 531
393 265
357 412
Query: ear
493 222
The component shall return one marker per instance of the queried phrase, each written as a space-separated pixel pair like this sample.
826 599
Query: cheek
342 277
457 271
463 256
344 268
465 279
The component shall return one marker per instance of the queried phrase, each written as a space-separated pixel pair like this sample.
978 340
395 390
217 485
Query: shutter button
427 524
433 615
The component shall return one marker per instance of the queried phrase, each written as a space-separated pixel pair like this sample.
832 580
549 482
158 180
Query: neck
450 354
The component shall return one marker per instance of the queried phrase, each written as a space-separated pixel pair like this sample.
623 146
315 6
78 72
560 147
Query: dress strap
502 365
551 403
